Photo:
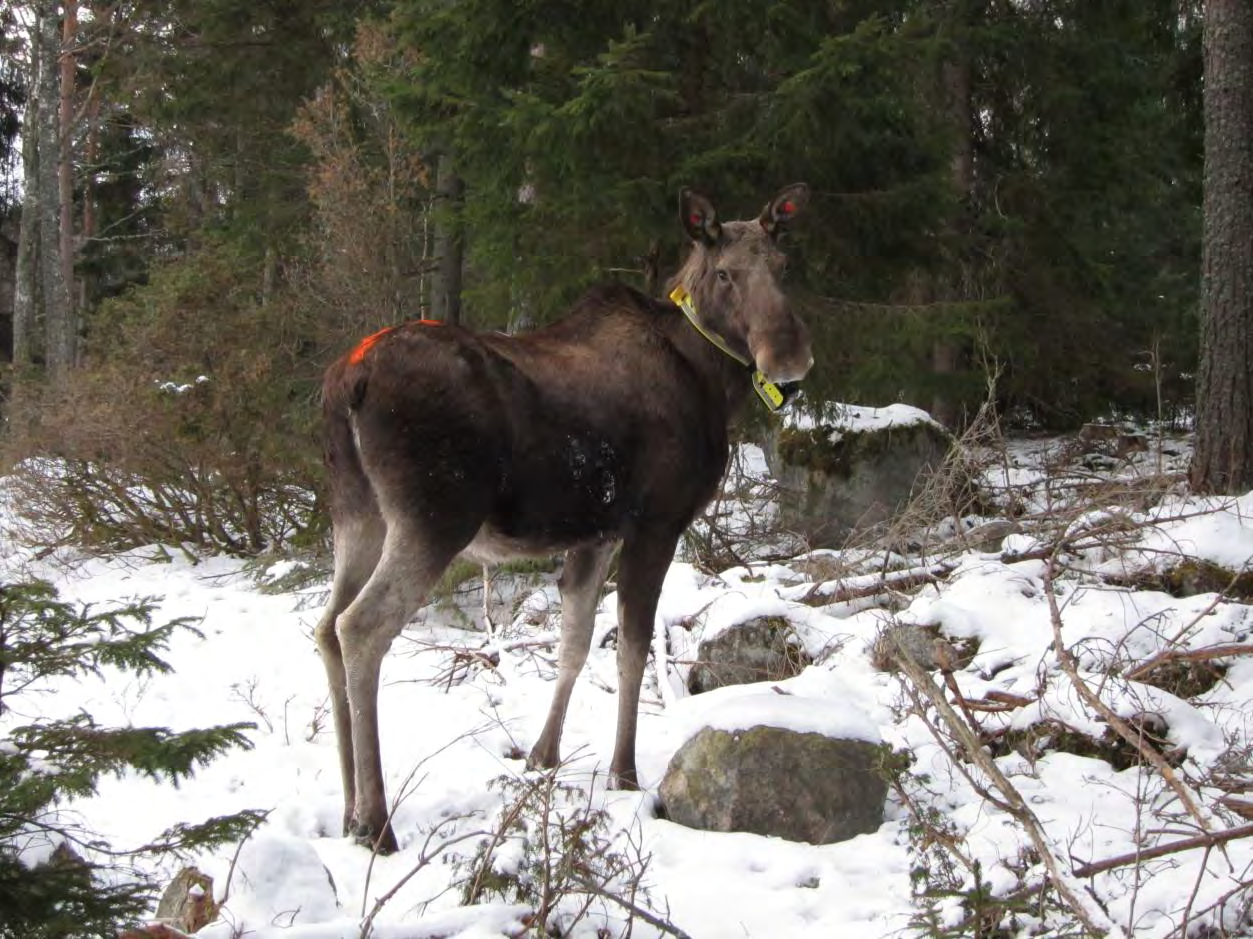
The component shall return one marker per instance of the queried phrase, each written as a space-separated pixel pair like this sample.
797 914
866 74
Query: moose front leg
641 572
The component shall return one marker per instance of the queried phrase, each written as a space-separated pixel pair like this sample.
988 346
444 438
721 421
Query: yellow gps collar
770 393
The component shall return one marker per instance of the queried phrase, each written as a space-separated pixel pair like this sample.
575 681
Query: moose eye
723 276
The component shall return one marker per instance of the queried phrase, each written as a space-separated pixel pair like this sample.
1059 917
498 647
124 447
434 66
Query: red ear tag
787 208
696 218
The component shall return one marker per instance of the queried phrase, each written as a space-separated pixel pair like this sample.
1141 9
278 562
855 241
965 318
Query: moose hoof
542 758
381 843
625 781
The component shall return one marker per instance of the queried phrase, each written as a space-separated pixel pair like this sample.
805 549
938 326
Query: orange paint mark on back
366 344
356 356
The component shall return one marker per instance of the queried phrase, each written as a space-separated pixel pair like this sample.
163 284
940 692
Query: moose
607 429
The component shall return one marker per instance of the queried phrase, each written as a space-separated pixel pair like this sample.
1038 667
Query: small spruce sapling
58 879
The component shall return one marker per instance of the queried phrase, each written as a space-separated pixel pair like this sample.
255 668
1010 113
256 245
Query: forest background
205 201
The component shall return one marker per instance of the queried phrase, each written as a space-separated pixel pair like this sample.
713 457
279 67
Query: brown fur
608 427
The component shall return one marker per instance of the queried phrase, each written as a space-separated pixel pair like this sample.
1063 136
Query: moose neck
724 371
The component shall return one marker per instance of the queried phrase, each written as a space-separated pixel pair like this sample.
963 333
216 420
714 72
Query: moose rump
608 427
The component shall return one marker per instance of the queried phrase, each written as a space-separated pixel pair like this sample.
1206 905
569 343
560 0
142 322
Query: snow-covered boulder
764 648
810 773
854 468
772 781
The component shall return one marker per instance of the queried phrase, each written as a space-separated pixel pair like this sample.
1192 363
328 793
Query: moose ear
698 217
783 208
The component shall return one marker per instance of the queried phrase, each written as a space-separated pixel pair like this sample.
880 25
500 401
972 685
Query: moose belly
520 534
555 500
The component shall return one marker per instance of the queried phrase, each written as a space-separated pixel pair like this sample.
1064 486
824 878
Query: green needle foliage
56 878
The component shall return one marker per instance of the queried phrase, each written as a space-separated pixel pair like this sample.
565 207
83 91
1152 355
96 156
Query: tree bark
948 352
1223 457
54 289
449 251
26 333
65 152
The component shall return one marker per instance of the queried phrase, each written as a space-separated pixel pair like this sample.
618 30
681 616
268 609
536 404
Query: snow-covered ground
449 732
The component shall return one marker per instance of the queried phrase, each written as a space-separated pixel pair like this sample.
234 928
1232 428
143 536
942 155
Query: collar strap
770 393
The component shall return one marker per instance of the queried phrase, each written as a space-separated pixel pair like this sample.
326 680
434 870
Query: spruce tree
989 177
58 880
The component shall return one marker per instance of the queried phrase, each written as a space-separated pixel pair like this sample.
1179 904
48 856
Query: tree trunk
948 352
449 252
26 332
55 290
1223 458
65 152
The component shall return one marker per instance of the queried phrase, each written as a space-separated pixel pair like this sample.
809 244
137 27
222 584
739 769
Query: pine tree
56 879
1223 459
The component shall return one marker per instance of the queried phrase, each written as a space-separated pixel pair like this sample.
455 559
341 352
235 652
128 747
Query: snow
790 705
445 741
852 418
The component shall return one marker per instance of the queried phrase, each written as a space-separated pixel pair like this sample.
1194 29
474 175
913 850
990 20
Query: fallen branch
1239 807
595 889
869 585
1207 840
1094 920
1170 656
1129 733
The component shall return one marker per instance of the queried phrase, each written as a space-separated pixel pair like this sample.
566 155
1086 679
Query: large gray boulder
853 471
772 781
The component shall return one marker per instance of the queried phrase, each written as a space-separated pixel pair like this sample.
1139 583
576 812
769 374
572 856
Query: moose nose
783 372
789 390
782 350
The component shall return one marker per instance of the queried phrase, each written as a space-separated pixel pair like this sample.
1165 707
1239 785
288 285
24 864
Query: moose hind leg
358 545
407 570
641 572
581 581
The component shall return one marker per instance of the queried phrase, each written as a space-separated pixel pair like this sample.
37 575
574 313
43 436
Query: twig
427 855
635 910
406 789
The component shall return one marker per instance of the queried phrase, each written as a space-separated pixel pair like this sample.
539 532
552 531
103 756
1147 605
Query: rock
925 644
761 649
1113 439
1188 577
990 535
271 869
187 904
840 478
772 781
919 641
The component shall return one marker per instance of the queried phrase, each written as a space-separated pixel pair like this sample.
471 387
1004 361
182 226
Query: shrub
191 421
